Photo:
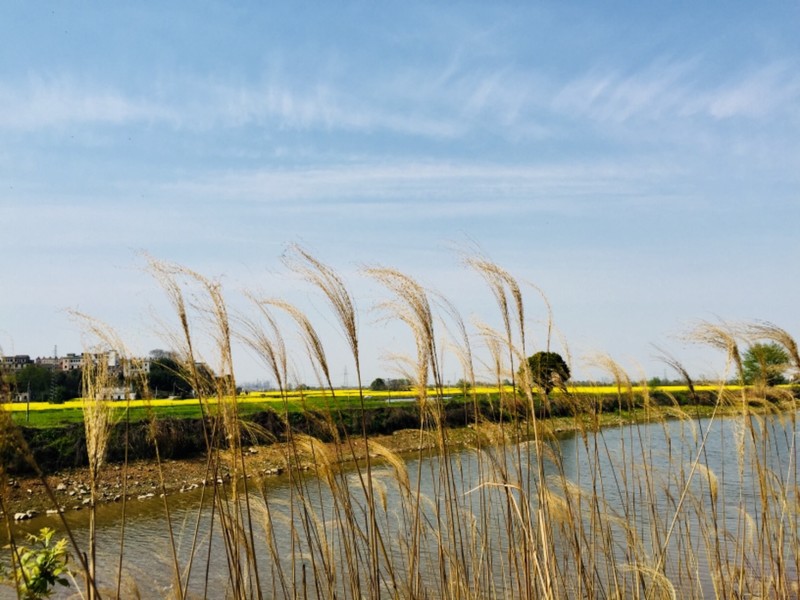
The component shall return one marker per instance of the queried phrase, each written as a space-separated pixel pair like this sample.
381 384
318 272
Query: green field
43 414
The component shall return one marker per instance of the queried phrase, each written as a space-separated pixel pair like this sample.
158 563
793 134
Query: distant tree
66 385
159 354
765 364
167 378
547 370
378 385
398 385
36 379
464 385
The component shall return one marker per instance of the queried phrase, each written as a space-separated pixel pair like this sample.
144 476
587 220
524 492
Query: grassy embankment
55 436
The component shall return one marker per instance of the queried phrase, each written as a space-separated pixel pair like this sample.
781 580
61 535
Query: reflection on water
643 475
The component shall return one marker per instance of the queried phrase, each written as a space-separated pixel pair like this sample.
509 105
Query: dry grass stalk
98 383
723 337
615 520
774 333
341 302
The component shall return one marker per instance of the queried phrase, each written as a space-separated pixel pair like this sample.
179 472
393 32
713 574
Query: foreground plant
694 507
39 568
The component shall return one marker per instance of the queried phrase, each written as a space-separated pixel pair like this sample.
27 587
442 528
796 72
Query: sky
637 162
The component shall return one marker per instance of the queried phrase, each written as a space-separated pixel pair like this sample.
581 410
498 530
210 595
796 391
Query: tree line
763 364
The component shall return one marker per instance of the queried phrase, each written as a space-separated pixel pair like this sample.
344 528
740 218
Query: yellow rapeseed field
315 395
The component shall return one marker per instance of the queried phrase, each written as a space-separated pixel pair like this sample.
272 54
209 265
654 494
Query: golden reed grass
643 511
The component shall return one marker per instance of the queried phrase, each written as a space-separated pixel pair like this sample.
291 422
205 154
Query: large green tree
547 371
378 385
765 363
167 377
35 379
65 385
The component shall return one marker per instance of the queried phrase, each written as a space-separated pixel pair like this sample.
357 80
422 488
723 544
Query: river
617 497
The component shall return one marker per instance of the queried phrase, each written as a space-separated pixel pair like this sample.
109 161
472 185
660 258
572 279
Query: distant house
14 363
46 362
71 362
121 366
117 393
136 367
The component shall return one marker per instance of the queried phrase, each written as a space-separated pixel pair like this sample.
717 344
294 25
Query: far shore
141 480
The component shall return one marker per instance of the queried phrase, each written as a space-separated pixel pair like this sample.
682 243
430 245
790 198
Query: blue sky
640 164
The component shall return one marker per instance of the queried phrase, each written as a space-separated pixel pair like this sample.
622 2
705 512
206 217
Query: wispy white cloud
47 102
438 102
611 96
679 90
41 103
771 89
453 189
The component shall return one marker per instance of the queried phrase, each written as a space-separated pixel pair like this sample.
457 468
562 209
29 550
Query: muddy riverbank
143 480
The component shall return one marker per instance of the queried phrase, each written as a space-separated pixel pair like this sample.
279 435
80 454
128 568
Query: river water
660 487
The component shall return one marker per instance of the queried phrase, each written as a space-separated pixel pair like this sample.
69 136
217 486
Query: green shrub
39 568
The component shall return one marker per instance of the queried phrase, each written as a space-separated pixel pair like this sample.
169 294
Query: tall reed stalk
672 500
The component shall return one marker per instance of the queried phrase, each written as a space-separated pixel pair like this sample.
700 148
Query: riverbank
144 480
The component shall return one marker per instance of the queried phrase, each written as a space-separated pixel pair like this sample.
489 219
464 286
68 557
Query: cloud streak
423 102
463 188
55 102
663 91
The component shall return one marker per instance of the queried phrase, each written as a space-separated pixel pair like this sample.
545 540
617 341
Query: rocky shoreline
27 497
